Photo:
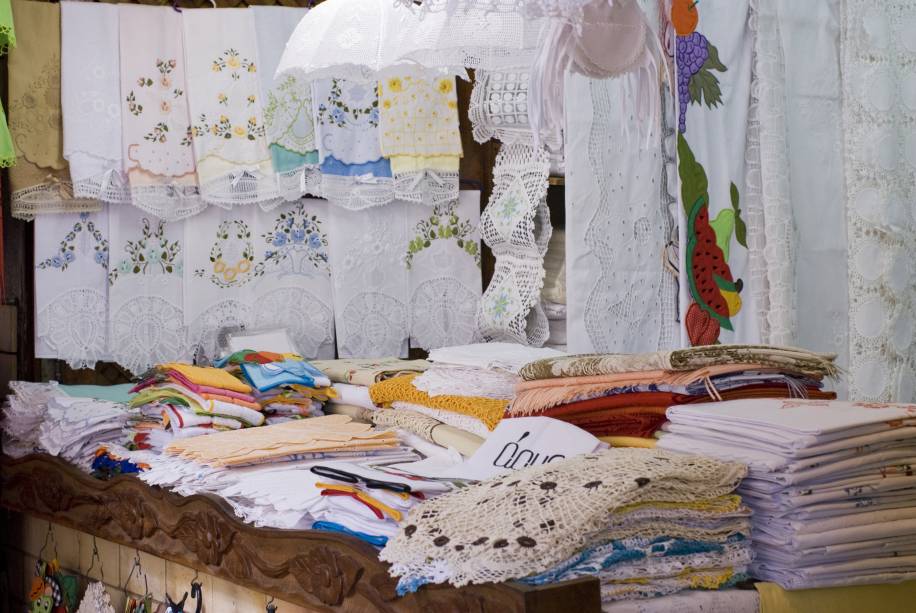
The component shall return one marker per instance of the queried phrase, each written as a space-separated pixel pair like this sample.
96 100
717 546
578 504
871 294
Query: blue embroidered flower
298 235
337 115
279 239
69 257
373 115
56 261
314 241
101 258
268 255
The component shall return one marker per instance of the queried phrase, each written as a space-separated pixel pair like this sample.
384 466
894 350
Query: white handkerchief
90 92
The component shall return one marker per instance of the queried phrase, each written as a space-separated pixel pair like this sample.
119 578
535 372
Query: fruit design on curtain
715 293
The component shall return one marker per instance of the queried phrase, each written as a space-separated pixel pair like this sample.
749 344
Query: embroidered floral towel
258 270
156 122
443 261
287 100
354 173
91 100
71 297
40 181
418 127
230 148
145 302
713 57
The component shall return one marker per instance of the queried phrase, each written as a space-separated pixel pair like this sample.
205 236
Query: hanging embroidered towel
879 114
219 266
288 117
260 270
370 280
292 285
90 99
418 127
615 237
443 260
155 119
516 226
713 58
7 41
146 323
71 294
7 29
354 173
40 182
230 148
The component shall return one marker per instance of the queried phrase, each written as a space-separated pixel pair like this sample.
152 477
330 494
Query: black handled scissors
347 477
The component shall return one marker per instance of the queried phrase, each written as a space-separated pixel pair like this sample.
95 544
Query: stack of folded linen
284 386
73 428
23 413
351 379
620 395
327 436
830 484
645 522
179 400
365 502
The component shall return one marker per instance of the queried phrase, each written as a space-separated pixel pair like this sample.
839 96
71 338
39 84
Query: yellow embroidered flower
216 67
230 274
239 131
251 99
251 68
395 85
223 119
445 86
219 265
214 129
243 266
386 103
253 120
452 104
222 98
233 61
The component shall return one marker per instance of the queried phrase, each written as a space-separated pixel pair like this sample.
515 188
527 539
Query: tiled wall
26 535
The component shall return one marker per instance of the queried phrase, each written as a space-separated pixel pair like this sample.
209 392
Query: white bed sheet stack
74 428
831 484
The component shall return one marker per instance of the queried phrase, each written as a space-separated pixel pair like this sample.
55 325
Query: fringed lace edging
49 198
429 187
168 202
299 182
357 193
240 188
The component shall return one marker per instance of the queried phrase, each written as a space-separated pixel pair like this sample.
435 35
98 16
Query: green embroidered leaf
694 183
712 60
704 87
740 226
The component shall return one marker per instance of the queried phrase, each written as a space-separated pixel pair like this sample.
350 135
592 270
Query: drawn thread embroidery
152 253
66 253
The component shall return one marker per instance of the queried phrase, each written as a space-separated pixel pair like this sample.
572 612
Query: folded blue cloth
264 377
113 393
329 526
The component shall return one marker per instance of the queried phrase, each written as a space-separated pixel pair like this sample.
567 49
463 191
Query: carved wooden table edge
318 570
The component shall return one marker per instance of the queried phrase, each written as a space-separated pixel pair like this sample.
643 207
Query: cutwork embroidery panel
71 288
145 309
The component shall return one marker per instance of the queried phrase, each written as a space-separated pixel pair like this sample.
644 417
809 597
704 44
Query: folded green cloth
112 393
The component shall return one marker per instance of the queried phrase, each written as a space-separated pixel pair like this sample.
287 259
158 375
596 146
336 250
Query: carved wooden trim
317 570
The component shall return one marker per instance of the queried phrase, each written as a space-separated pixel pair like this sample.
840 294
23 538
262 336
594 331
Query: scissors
347 477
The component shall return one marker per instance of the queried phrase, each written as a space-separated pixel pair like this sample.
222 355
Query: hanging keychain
271 607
